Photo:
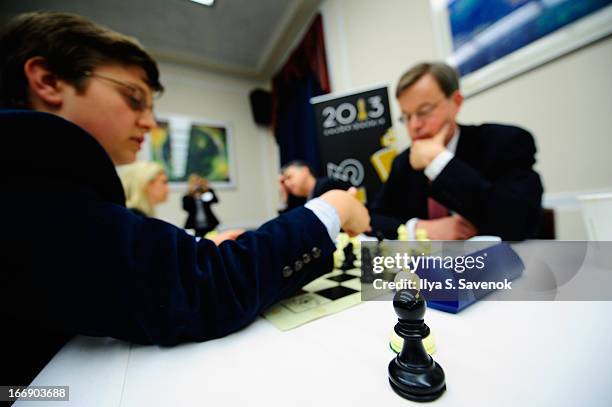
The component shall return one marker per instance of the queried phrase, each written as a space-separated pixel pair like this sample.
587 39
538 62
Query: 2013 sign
347 113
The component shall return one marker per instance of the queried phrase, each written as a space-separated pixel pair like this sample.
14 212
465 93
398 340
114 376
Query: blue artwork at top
486 30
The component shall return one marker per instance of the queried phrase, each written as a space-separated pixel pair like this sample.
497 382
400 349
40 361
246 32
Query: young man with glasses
456 181
93 267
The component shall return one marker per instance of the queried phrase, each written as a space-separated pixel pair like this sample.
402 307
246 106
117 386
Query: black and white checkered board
330 293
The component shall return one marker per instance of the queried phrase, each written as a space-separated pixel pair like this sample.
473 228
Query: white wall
567 103
217 97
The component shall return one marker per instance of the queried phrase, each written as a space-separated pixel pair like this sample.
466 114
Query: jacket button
298 265
287 271
316 252
306 258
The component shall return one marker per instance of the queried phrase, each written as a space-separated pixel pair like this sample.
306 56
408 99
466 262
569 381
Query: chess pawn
349 258
367 272
413 374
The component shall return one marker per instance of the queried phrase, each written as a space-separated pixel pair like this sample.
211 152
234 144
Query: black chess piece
349 258
413 374
367 271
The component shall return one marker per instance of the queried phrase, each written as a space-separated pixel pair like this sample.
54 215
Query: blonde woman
146 185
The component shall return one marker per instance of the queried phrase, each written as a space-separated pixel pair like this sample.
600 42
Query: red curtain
307 58
303 76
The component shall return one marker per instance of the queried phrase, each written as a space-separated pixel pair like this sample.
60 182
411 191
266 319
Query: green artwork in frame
185 145
161 150
208 153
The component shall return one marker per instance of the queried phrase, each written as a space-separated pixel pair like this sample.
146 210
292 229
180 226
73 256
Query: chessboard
328 294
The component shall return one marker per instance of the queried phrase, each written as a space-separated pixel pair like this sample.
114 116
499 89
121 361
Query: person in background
456 181
77 99
145 184
200 196
298 184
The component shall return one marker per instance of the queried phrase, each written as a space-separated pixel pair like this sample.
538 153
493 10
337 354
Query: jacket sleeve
508 203
143 280
215 199
188 204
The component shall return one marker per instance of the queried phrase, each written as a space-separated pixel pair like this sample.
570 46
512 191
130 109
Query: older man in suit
456 181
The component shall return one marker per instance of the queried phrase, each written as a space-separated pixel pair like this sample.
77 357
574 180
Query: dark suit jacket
84 264
322 185
490 181
189 205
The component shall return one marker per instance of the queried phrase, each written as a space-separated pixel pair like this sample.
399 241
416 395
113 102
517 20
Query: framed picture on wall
491 41
186 145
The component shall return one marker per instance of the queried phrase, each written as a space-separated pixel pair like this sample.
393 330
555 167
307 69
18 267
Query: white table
493 354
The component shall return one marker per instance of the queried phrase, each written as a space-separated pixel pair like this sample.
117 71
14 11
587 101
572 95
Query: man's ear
457 97
46 89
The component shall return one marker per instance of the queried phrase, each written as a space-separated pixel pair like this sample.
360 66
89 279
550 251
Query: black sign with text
351 131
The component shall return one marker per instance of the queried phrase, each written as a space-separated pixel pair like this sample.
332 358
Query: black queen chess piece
413 374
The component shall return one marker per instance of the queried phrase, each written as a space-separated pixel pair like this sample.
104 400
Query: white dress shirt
327 215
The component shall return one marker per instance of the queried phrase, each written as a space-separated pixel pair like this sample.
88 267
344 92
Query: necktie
435 209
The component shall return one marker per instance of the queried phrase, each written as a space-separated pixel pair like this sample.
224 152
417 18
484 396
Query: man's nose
147 120
415 124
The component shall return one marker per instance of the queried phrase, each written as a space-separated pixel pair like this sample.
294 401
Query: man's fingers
467 229
463 220
227 235
441 135
233 234
359 222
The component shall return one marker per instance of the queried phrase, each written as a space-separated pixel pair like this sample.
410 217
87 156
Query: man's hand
423 151
283 188
227 235
354 217
454 227
204 184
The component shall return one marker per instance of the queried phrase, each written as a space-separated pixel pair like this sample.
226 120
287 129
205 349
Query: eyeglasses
421 114
135 96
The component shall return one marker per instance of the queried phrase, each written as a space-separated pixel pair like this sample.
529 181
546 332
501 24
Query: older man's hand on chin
423 151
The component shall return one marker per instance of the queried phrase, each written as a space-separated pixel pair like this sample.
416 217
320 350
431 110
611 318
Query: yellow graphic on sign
383 158
362 114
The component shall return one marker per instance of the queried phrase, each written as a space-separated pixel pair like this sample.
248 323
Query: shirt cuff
327 215
436 165
411 228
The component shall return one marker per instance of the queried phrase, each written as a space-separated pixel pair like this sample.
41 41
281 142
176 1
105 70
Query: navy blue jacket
490 181
81 263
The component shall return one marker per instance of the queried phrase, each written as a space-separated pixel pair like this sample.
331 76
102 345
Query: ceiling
248 38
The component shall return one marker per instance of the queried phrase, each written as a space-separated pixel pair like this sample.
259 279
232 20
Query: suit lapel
467 148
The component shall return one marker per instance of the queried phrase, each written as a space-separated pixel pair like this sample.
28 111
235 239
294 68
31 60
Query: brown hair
298 164
71 46
445 75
